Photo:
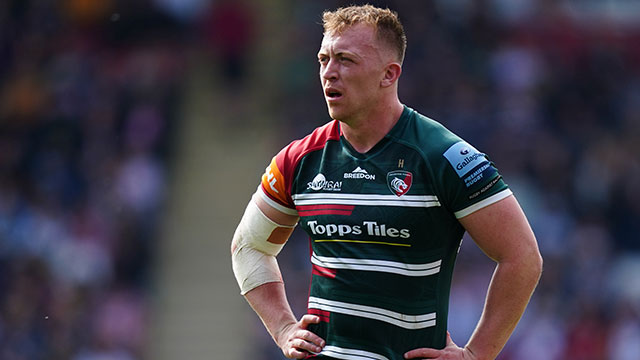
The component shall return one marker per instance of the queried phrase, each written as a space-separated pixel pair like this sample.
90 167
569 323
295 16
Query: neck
363 135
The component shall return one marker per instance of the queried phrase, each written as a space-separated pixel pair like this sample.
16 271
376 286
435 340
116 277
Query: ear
391 74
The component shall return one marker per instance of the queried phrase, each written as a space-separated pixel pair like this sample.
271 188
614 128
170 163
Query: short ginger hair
386 23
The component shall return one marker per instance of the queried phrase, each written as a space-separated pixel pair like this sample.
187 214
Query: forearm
270 302
508 295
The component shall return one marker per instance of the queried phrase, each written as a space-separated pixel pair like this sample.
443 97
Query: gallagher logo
399 181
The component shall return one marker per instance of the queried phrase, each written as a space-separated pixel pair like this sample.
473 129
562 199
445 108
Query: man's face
351 69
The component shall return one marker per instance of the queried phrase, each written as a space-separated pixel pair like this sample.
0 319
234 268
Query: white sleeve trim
273 204
486 202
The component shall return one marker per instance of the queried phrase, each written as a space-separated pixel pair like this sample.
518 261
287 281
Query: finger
310 337
423 353
307 335
309 319
293 353
309 345
303 345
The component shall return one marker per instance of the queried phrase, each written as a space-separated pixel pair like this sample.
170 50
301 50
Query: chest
387 201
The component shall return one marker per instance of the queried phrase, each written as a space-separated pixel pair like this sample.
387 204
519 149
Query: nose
328 71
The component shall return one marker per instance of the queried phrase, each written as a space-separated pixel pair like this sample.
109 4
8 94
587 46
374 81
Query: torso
384 233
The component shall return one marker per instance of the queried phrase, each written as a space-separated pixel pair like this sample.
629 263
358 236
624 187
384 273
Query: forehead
360 39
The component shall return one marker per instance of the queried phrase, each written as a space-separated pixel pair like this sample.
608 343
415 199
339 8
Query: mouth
332 94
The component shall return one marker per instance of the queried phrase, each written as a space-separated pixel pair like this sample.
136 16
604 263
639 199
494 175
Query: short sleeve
279 178
471 181
273 188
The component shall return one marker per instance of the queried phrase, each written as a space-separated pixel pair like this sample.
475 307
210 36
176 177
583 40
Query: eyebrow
339 53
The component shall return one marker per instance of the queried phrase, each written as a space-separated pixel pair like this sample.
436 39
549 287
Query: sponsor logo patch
477 175
320 183
370 228
469 163
273 182
359 173
399 181
464 157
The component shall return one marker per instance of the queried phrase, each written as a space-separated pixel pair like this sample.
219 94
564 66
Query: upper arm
263 227
273 213
502 231
271 205
273 201
280 234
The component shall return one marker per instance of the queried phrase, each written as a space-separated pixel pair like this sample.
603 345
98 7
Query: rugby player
385 194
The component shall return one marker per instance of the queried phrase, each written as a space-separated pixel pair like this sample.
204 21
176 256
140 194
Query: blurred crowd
555 103
88 99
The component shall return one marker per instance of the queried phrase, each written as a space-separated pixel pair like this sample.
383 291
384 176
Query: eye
323 59
345 59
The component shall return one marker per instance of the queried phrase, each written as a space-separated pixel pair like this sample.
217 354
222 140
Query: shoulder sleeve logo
464 157
273 182
399 181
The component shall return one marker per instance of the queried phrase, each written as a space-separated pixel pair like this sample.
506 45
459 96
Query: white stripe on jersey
377 265
274 204
350 354
486 202
412 322
366 199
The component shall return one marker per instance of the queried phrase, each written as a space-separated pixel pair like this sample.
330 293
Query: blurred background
133 133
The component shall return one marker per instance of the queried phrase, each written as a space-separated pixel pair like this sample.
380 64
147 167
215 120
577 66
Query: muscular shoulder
316 140
464 175
277 179
426 135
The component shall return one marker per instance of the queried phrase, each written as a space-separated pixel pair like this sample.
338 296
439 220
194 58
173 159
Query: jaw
342 113
335 105
333 110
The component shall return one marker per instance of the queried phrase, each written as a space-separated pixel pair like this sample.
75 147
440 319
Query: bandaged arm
256 242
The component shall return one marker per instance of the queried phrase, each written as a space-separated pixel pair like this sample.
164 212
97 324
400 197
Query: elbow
528 264
532 265
538 264
233 247
533 260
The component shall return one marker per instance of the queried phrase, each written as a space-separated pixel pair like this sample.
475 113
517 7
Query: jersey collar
397 128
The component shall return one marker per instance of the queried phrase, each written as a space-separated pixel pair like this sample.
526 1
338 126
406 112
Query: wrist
471 354
280 334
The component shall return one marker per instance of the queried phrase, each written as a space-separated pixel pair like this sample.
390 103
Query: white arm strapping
254 258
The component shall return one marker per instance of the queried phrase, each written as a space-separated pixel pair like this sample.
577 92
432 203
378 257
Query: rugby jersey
384 230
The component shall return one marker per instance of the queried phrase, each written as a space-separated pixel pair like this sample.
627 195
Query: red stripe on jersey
324 212
313 210
322 314
329 206
288 158
323 271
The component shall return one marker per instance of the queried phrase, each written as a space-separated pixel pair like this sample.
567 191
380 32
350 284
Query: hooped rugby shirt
384 230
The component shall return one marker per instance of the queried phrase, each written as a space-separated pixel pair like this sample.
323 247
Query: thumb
309 319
